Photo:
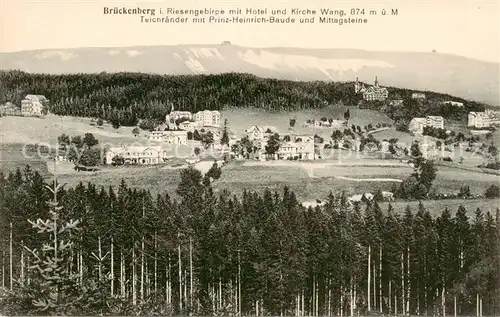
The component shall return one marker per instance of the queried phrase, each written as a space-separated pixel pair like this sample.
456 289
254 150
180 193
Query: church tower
357 86
376 82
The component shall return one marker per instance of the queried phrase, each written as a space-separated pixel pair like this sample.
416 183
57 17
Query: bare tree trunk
11 269
355 298
317 297
169 280
351 301
380 279
443 301
481 307
409 282
180 275
112 268
455 306
190 273
303 306
390 296
155 267
142 270
22 262
329 298
81 267
99 267
185 287
369 276
477 304
314 296
297 305
122 275
374 289
134 278
341 301
403 290
239 284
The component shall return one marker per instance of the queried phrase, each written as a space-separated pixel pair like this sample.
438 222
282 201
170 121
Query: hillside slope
454 75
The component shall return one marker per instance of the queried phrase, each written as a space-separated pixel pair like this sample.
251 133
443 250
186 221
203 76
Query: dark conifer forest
123 252
124 98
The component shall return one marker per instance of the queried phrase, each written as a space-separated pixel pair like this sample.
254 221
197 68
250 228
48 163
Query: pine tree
55 288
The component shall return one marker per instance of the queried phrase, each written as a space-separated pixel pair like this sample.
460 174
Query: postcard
249 158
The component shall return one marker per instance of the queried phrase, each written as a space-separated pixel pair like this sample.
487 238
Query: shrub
492 192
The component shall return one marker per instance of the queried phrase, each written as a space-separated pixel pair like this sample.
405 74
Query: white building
397 102
417 125
207 118
171 137
33 105
255 132
296 150
176 115
436 122
371 93
418 95
142 155
454 103
478 120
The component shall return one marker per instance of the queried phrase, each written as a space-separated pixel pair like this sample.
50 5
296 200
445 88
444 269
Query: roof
139 149
259 128
434 117
289 144
422 120
36 97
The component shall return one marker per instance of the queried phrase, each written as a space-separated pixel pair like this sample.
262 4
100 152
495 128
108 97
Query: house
478 120
10 109
396 102
255 132
141 155
374 92
34 105
301 138
436 122
296 151
174 115
417 125
417 95
207 118
359 197
454 103
493 117
169 136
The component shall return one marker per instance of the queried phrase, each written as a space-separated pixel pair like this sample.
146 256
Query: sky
460 27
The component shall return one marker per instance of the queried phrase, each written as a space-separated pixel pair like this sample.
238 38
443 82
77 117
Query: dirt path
369 179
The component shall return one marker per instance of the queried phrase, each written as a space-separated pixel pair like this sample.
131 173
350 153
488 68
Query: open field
347 171
36 130
240 119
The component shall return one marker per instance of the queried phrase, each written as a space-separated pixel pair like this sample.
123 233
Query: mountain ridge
446 73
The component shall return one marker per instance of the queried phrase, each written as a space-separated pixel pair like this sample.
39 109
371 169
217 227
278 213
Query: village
185 138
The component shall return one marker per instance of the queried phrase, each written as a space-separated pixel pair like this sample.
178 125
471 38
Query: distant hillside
124 98
459 76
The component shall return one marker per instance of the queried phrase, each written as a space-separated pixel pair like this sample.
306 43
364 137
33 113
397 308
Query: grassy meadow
309 180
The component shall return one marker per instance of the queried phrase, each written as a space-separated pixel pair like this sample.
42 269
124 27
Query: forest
125 98
88 250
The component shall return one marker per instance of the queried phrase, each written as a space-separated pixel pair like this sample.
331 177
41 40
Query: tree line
122 251
125 98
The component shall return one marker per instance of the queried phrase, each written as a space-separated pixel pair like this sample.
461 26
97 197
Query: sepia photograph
249 158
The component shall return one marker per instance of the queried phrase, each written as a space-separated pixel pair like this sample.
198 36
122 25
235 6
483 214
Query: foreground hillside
215 254
124 98
467 78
